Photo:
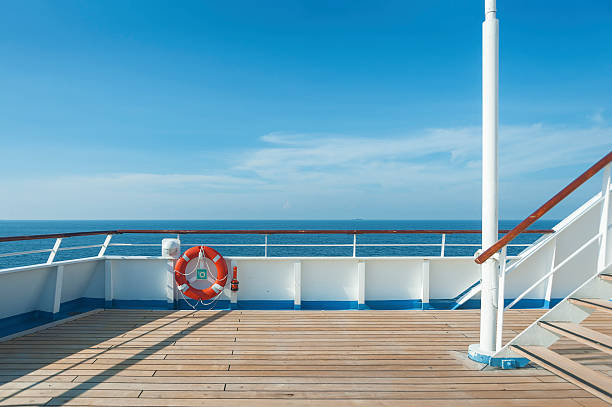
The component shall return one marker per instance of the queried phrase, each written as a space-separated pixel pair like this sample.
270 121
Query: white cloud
598 117
440 155
434 173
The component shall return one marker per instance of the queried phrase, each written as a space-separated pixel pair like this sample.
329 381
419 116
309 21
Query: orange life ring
181 280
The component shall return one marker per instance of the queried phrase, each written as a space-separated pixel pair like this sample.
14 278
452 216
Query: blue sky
293 109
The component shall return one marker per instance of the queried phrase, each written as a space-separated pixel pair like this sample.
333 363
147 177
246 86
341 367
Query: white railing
266 245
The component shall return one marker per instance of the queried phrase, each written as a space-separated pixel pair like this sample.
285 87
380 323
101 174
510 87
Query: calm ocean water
12 228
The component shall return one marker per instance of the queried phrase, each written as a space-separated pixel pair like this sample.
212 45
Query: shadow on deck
273 358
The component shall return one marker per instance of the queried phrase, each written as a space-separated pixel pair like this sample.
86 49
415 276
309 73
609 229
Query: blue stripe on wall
263 304
329 305
28 320
80 305
22 322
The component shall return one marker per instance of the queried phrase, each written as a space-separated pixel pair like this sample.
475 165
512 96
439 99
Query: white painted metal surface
578 251
490 90
565 311
602 258
54 250
59 283
500 299
361 283
425 282
108 281
297 284
105 245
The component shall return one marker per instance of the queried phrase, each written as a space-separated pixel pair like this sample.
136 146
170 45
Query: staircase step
580 334
594 303
590 380
607 277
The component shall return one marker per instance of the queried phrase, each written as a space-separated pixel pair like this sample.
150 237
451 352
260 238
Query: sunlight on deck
279 358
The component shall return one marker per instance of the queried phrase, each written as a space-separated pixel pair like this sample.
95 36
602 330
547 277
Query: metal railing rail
542 210
266 245
255 232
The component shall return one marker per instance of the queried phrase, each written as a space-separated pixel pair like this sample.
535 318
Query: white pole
490 88
603 222
500 300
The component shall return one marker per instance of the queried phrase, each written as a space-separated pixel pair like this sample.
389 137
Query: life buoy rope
181 277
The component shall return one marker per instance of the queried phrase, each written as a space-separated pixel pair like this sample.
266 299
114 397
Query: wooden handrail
320 231
255 232
57 235
551 203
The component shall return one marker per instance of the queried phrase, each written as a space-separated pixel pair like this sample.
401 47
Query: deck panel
280 358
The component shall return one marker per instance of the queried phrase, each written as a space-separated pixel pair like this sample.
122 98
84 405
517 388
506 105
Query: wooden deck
279 358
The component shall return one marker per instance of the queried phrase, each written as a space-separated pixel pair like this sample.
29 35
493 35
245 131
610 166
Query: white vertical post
443 245
490 62
104 245
56 246
169 284
500 300
425 283
57 296
265 245
108 284
361 285
602 261
354 244
297 285
549 283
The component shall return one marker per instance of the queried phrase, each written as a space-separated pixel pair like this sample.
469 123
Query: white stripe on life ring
186 257
183 287
217 257
217 288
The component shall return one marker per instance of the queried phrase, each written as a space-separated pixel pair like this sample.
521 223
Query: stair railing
502 243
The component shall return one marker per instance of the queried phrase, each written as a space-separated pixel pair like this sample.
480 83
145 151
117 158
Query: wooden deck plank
595 303
273 358
284 387
151 402
592 381
580 334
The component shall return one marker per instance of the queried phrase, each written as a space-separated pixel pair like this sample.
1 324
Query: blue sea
15 228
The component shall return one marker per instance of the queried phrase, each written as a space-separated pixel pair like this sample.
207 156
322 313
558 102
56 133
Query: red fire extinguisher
235 279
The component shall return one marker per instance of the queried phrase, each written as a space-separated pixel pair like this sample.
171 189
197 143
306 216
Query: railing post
549 284
602 260
354 244
442 245
265 245
108 284
297 285
105 245
361 285
57 296
425 284
500 300
56 246
170 285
